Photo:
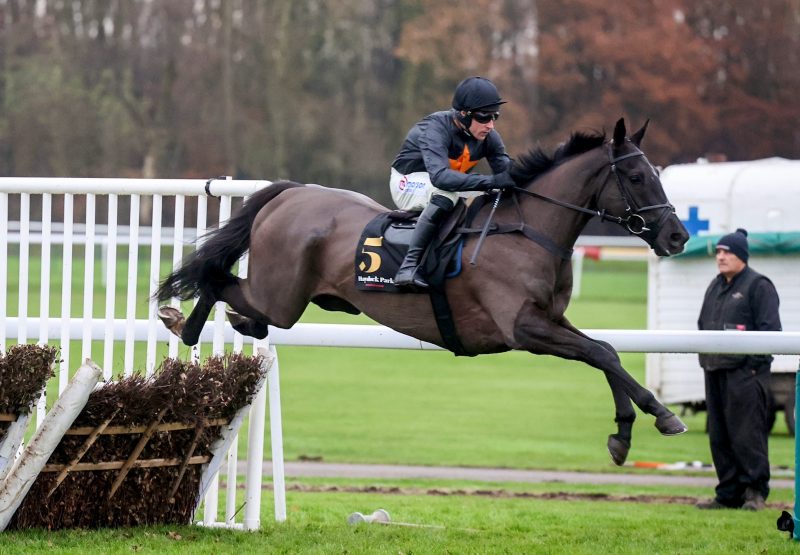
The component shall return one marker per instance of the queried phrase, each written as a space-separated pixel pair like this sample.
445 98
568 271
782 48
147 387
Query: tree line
324 92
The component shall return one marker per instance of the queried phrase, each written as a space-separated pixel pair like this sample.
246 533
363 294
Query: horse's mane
536 162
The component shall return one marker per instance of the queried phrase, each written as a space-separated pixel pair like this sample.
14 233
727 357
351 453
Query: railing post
796 532
276 438
255 449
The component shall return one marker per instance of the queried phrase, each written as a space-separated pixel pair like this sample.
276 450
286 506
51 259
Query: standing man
434 162
737 386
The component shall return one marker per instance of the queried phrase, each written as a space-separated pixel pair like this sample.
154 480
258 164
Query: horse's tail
209 266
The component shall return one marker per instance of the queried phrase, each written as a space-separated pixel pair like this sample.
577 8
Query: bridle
633 220
634 213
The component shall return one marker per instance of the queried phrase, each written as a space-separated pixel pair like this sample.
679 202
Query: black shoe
753 500
410 273
712 505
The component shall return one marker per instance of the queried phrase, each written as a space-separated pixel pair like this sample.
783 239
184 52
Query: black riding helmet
475 93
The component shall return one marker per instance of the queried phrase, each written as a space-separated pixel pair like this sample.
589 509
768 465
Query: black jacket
749 302
437 146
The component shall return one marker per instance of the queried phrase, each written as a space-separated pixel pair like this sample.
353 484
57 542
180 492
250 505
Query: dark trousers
738 402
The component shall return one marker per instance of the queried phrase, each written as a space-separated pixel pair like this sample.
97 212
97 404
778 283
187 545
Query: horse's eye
636 178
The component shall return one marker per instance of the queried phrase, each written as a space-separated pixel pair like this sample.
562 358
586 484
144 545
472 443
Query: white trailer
714 199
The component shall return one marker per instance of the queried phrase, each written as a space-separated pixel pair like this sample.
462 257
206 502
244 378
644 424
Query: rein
632 221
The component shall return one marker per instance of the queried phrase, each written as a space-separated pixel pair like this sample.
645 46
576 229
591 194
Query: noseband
633 221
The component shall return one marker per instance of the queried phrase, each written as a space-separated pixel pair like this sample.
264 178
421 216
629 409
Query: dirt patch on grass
506 494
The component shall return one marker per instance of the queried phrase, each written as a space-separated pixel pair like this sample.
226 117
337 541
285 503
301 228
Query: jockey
432 169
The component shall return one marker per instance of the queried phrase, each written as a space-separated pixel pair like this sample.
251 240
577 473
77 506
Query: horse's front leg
534 332
619 444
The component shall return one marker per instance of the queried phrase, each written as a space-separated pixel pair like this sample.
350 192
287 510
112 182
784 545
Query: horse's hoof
235 318
670 425
247 326
618 449
173 319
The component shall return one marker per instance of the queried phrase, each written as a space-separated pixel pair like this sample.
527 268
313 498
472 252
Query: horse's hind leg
247 326
173 319
244 318
197 319
188 329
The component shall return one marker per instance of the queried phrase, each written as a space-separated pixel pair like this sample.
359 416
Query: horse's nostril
678 238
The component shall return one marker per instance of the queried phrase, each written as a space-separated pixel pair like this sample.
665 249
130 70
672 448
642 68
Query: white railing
381 337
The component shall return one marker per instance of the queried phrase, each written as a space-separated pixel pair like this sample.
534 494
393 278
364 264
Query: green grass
472 524
613 296
56 277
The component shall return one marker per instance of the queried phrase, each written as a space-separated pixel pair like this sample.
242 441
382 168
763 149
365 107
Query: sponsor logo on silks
407 186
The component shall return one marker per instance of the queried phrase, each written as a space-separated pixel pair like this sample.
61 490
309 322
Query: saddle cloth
383 245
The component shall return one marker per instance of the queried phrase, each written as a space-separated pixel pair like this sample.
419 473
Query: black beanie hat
736 243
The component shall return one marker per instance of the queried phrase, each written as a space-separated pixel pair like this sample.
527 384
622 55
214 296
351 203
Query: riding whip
485 229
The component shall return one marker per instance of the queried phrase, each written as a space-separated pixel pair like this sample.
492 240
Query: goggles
484 117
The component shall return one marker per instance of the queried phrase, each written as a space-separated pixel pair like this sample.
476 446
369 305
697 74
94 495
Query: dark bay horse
301 240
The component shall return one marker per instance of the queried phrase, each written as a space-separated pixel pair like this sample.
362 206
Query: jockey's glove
503 180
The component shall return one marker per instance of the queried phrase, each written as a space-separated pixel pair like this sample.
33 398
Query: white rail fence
45 221
117 325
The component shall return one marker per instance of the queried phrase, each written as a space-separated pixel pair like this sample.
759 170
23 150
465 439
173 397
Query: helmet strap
464 120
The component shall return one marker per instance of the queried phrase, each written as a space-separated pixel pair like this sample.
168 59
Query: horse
301 241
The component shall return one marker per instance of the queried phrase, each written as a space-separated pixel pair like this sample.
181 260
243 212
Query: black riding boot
409 274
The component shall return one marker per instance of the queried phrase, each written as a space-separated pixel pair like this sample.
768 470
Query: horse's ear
636 138
619 133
